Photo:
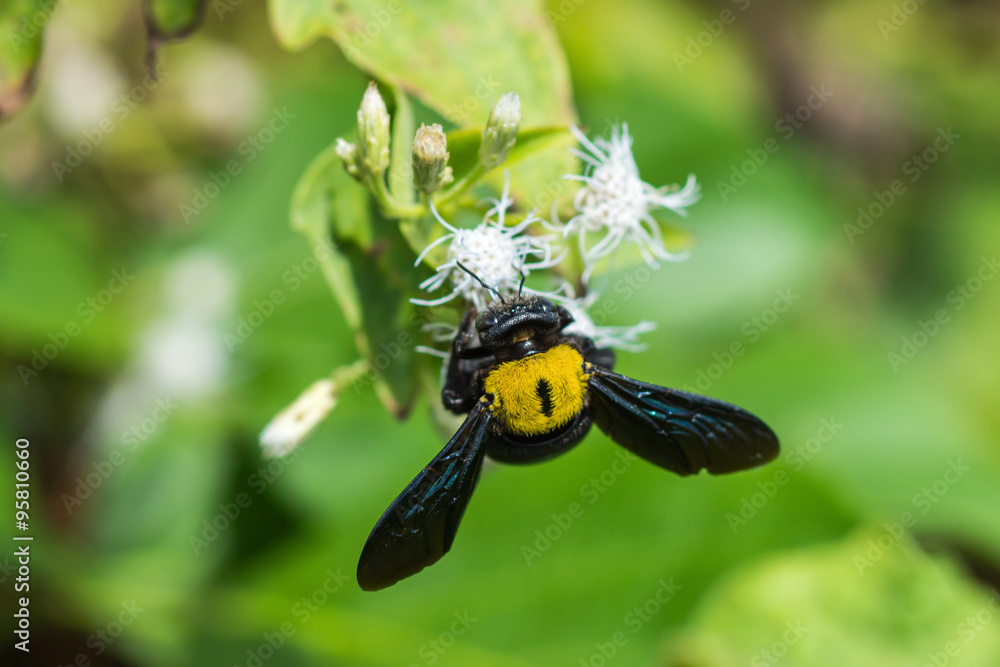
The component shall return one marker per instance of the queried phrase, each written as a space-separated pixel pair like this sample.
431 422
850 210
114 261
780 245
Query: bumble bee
531 392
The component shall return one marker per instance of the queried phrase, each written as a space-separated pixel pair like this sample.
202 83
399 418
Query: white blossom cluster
613 201
499 255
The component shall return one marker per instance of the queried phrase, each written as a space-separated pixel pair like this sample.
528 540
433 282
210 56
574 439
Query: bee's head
518 318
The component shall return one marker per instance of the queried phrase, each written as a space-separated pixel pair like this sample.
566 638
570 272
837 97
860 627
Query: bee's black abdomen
507 448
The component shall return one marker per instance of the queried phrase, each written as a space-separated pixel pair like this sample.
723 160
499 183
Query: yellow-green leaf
874 599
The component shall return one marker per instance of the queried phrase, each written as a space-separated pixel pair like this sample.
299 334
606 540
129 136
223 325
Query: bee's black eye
486 319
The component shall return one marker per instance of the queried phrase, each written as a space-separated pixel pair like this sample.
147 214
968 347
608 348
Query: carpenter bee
531 392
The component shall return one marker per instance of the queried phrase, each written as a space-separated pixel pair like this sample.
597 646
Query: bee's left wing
682 432
420 525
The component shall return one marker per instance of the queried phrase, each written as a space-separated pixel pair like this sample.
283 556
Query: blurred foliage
226 317
22 23
171 20
905 608
174 17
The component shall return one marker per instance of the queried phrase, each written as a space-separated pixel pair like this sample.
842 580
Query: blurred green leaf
22 23
896 604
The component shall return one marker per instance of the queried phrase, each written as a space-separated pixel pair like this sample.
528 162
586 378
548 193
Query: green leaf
401 165
874 599
463 147
350 203
445 52
312 209
297 23
21 24
456 57
369 268
386 279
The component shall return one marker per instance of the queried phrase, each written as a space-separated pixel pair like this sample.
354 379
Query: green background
816 545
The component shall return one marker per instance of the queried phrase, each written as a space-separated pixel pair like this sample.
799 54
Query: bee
532 392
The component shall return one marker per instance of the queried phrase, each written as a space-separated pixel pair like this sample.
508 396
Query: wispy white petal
622 338
495 252
615 199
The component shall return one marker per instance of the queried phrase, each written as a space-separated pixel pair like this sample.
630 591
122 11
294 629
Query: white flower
614 198
623 338
497 254
291 426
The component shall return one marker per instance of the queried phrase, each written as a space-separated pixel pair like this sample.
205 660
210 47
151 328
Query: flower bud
373 132
430 159
501 130
348 152
293 424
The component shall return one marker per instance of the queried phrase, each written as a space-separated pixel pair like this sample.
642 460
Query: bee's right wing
682 432
420 525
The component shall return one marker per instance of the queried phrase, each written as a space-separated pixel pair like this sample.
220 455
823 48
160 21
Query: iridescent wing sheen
682 432
420 525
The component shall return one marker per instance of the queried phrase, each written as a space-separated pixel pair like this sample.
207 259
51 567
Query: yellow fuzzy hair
518 399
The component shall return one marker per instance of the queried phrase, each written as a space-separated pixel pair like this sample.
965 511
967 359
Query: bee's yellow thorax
539 393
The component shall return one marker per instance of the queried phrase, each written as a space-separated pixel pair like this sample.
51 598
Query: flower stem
393 209
348 374
389 206
461 186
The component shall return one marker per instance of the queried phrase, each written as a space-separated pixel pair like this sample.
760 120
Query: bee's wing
420 524
681 432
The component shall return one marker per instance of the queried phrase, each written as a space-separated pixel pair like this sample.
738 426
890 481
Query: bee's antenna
520 288
479 280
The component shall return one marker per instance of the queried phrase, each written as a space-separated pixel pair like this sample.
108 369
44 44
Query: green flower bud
430 159
501 130
373 132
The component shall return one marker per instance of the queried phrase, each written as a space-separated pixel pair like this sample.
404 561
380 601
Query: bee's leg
463 345
460 391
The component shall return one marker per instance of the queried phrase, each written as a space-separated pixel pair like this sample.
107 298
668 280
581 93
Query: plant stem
348 374
461 186
390 208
